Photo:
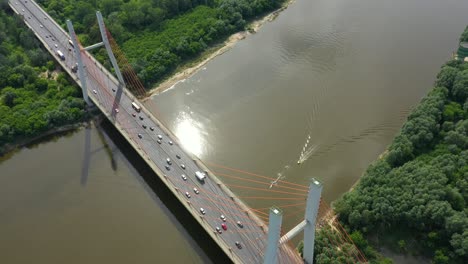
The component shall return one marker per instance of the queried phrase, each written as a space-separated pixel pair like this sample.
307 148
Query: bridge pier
81 71
313 203
274 232
102 28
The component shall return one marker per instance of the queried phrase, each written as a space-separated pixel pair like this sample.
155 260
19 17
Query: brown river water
344 73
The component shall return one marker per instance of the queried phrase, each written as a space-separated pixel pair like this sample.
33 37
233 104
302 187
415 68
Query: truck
200 175
136 107
60 54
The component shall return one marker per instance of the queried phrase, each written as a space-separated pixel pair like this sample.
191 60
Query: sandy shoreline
188 71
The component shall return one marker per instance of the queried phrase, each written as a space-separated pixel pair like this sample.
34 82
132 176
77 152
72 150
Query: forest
414 198
159 35
34 97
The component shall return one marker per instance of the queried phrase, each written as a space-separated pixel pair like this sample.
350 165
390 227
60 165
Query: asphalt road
104 91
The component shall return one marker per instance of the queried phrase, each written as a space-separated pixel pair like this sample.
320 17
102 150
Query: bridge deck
214 197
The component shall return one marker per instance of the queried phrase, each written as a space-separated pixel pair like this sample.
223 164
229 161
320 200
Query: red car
224 226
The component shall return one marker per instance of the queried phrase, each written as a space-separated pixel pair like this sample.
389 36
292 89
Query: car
16 3
22 10
53 39
168 160
224 226
56 45
223 218
140 135
159 136
94 92
187 194
218 230
239 224
113 89
152 128
41 26
196 191
45 18
144 126
141 118
117 110
184 177
238 245
202 211
182 166
47 36
134 115
167 167
170 142
177 156
29 17
159 141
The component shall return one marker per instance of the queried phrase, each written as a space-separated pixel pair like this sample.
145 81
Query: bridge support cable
80 62
305 188
265 190
335 223
258 182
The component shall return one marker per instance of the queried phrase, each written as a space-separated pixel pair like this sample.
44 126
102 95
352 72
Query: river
345 73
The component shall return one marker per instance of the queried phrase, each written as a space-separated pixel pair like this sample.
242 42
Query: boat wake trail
281 176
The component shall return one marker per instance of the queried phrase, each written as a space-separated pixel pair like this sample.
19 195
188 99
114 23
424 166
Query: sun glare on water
189 134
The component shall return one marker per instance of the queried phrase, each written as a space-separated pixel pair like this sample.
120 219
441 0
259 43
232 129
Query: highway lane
212 197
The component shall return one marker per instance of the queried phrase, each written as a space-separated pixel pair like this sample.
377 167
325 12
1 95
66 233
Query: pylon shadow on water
88 153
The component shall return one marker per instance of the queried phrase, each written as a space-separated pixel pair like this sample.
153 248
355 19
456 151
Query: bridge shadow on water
164 198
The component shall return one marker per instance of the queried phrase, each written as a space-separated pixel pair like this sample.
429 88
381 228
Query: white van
200 175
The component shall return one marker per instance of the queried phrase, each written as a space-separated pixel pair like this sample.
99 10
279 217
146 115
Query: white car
182 166
184 177
196 191
202 211
160 137
94 92
116 110
223 218
187 194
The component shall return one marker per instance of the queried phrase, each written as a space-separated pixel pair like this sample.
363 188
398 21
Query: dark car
140 135
238 245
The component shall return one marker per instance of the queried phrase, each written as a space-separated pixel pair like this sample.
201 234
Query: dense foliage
417 194
332 248
30 102
159 35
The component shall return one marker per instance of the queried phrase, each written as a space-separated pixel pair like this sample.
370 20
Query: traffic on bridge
232 225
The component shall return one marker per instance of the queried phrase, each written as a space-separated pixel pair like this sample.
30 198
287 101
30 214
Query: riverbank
191 67
10 148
